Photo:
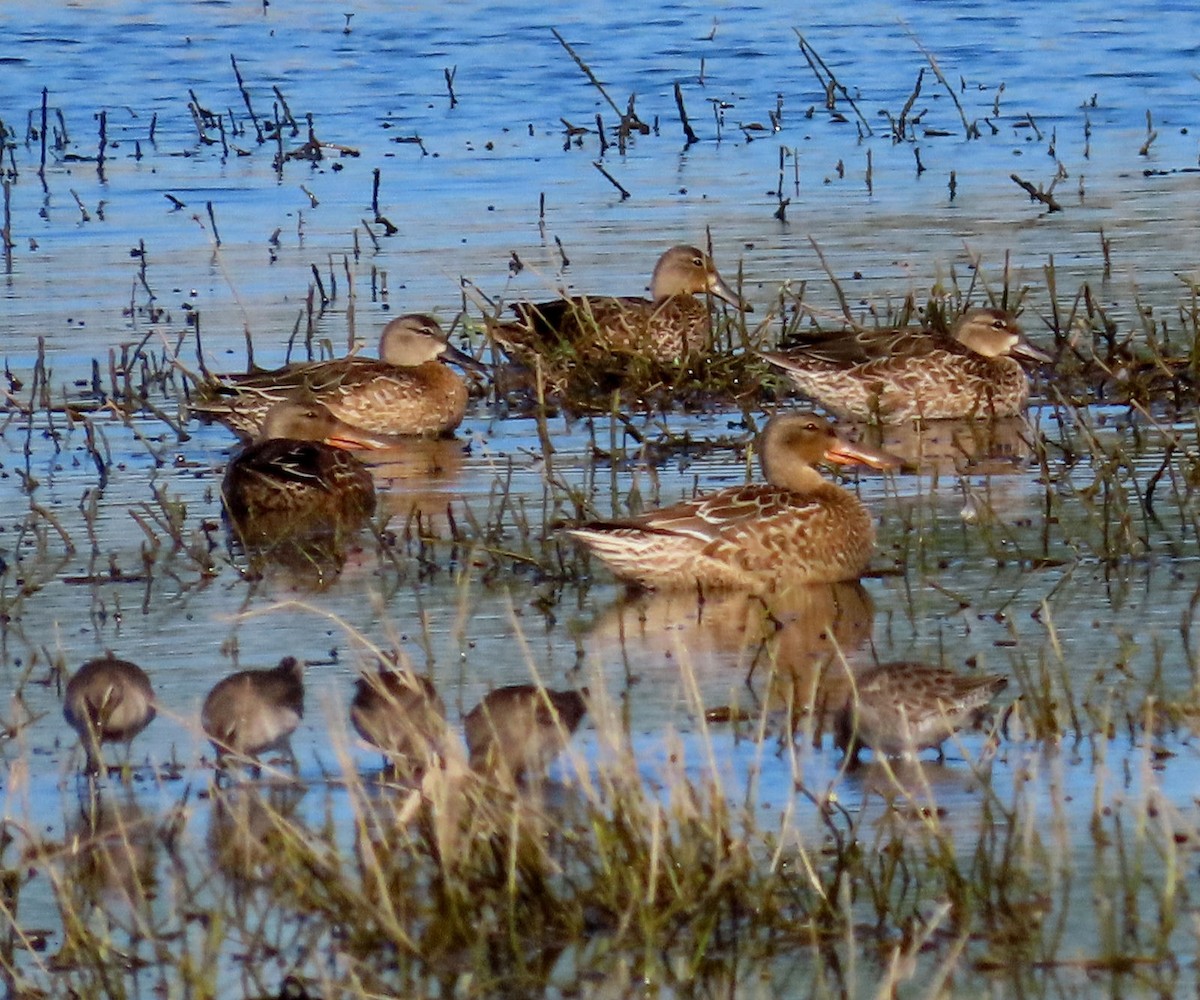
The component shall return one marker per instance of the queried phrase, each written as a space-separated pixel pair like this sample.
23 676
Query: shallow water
1004 572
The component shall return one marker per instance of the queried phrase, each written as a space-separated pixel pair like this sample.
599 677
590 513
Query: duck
901 708
299 476
253 711
518 730
663 329
797 528
107 700
400 713
408 391
893 376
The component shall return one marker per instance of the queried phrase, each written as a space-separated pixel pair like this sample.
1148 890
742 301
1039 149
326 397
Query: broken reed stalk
611 179
908 106
42 167
837 286
246 98
1036 194
587 71
213 221
970 130
814 61
6 229
288 117
103 143
449 75
688 134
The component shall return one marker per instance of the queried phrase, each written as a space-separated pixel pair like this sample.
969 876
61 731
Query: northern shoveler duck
517 731
402 714
900 709
407 391
663 329
107 701
300 476
253 711
797 529
892 376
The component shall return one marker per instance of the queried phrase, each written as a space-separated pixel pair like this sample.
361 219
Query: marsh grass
615 872
672 865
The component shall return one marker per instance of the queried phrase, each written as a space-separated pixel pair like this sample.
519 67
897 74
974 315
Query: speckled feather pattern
408 391
751 537
253 711
665 328
904 708
799 528
899 375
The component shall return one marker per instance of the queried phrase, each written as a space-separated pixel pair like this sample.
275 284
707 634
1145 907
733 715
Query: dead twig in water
972 131
837 286
687 126
587 71
1036 194
815 61
611 179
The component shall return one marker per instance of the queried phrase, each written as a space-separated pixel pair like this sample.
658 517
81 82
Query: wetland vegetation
169 212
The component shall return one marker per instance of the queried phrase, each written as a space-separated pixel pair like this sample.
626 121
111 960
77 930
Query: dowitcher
518 730
107 701
402 714
900 709
253 711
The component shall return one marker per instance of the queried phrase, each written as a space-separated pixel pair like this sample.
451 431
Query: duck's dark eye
811 426
698 262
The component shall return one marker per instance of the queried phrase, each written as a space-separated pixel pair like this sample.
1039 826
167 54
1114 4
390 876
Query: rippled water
1004 572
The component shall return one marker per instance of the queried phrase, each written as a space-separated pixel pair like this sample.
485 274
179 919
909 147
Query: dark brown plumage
900 709
518 730
253 711
107 701
402 714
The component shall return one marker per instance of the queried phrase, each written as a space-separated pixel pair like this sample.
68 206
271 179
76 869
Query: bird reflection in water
796 648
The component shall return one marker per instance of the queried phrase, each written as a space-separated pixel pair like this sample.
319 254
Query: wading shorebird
401 714
107 701
519 730
253 711
900 709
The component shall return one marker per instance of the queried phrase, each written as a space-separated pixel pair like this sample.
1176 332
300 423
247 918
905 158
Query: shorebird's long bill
850 453
718 287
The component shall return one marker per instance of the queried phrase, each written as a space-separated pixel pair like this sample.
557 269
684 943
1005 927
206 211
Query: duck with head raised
797 528
663 329
408 391
892 376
